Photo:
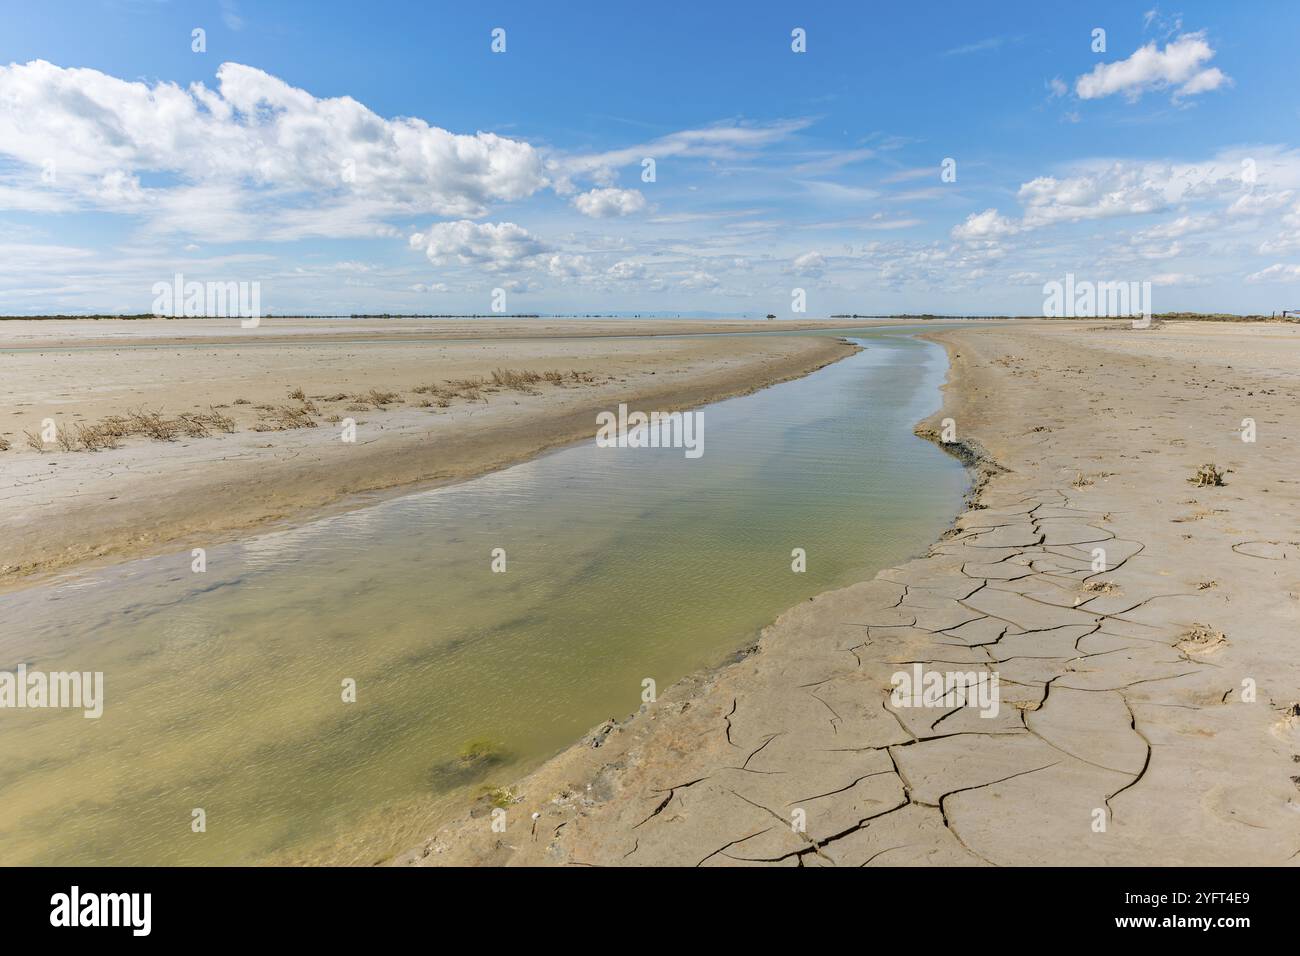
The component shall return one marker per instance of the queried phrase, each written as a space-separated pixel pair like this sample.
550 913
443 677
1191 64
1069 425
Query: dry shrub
115 426
523 381
191 426
442 395
197 424
95 438
467 389
284 418
514 378
377 397
151 424
219 421
309 406
65 439
1209 476
473 389
4 445
299 394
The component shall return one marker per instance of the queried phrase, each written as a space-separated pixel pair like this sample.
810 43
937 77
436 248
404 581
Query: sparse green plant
500 797
479 751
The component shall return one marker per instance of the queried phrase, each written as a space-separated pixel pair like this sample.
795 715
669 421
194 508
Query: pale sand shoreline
64 509
1127 733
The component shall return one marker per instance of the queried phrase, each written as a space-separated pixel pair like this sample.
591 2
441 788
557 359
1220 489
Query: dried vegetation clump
502 379
142 422
1209 476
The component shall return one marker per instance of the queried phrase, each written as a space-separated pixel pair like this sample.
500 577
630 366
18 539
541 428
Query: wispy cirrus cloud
721 141
1279 272
983 46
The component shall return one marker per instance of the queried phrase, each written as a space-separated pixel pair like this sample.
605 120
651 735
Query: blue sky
381 157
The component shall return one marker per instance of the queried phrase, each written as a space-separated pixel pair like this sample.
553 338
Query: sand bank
267 408
1149 711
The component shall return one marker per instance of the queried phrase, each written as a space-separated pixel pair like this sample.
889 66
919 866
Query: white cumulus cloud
565 266
607 203
700 281
1181 64
253 141
989 224
809 264
625 270
492 246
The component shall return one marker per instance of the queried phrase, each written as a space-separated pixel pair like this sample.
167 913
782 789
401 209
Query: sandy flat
62 507
1149 711
51 333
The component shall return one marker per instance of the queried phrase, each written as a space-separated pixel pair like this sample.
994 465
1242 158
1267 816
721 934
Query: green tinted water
224 689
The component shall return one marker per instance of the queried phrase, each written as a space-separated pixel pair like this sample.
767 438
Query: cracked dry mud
1115 705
